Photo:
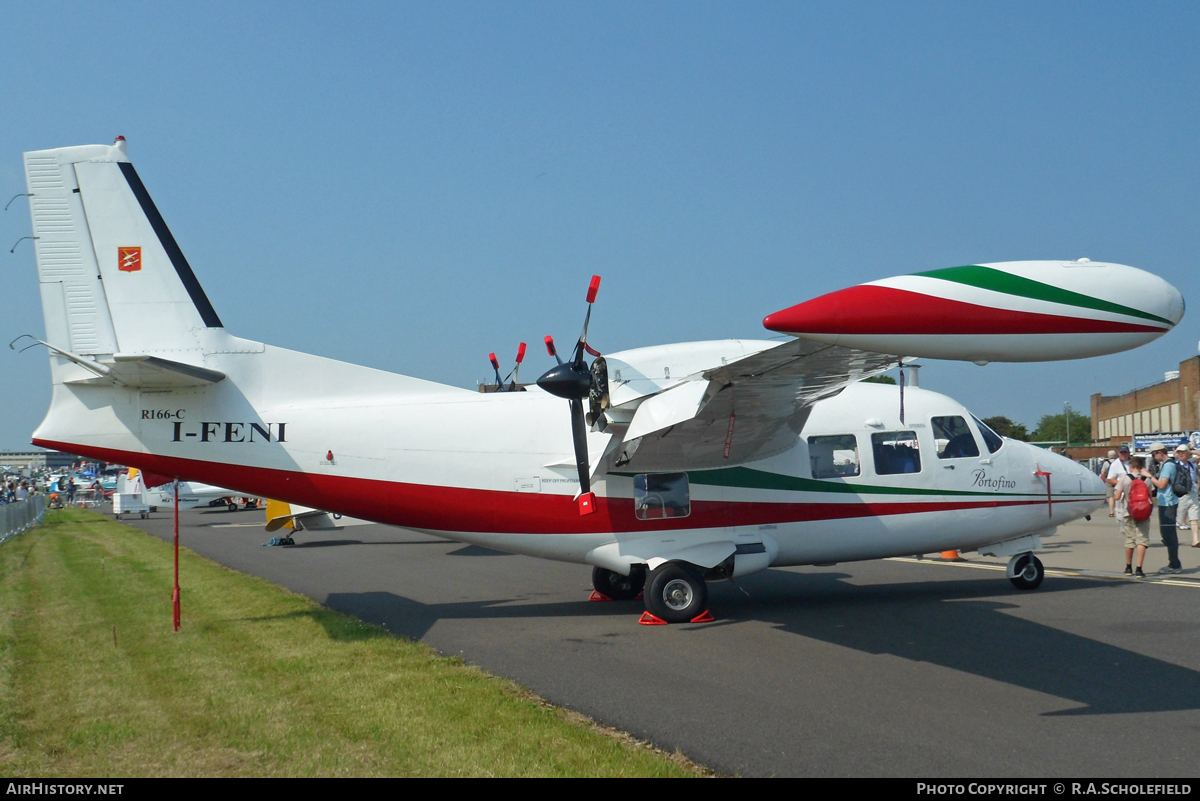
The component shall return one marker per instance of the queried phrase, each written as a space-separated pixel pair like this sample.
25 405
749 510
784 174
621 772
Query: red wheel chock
648 619
704 617
598 596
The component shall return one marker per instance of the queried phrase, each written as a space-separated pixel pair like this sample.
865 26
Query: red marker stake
175 596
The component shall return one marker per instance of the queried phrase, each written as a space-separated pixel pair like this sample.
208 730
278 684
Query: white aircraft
689 462
192 494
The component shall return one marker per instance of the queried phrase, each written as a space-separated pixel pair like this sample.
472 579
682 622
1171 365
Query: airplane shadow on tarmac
959 624
955 624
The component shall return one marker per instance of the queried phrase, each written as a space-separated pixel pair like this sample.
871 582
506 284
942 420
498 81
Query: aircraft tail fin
112 277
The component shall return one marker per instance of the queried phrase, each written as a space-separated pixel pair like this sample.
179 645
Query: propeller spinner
573 381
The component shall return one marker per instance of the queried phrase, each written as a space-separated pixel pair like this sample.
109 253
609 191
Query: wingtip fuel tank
1023 311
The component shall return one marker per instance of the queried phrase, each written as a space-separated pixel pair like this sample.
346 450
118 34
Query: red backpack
1139 500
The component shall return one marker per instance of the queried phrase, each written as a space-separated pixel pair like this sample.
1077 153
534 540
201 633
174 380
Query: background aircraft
669 465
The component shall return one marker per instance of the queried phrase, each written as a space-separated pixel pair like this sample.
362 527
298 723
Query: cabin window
990 438
896 452
833 457
953 438
663 495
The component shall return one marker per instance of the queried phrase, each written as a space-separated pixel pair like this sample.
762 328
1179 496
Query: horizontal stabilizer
138 370
303 518
152 372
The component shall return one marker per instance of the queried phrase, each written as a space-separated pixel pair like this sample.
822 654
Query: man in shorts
1137 532
1188 515
1166 505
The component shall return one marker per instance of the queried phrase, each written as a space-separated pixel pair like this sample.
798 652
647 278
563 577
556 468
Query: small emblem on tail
129 260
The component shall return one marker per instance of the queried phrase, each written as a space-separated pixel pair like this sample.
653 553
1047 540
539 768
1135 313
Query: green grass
259 681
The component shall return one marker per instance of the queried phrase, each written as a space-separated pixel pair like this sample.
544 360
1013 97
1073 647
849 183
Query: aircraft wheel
232 507
676 593
1026 571
616 586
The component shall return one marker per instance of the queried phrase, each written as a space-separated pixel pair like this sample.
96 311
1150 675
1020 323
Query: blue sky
410 186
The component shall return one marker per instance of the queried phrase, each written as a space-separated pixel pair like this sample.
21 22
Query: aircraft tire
675 592
1028 572
616 586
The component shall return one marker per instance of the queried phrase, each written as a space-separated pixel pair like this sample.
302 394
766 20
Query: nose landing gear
1026 572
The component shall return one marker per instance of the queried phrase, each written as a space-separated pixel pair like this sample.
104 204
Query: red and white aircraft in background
677 464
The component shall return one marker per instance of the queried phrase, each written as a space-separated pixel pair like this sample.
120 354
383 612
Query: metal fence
19 516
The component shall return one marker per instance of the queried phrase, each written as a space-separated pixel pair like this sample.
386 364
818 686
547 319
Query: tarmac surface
886 668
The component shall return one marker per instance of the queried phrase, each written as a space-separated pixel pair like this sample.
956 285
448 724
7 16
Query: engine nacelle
1017 311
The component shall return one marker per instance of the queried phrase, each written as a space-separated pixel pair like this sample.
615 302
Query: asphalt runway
885 668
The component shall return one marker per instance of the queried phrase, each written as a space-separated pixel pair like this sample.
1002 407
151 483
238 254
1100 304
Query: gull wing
749 409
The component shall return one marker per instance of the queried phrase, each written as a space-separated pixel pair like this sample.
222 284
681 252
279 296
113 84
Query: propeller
502 384
573 381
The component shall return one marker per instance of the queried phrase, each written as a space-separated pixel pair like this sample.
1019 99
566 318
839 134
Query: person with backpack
1167 503
1188 515
1133 510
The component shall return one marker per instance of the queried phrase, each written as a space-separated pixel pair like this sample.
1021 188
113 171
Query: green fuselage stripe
1009 284
748 478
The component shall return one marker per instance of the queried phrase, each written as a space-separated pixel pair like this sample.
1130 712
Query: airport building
1171 406
37 460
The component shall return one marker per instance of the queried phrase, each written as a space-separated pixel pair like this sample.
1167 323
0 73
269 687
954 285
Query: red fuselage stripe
453 509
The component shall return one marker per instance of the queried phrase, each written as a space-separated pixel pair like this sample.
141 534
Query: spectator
1119 467
1109 488
1137 532
1166 505
1188 514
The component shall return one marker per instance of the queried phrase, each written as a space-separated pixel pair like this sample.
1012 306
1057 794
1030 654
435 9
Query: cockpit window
954 438
896 452
833 457
990 438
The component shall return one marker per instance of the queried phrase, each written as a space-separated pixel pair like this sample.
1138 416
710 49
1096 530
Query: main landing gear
674 592
1026 572
617 587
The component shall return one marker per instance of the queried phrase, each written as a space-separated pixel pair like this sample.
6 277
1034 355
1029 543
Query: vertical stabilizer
73 299
113 278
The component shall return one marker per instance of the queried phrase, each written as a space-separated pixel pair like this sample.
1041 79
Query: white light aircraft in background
192 494
676 464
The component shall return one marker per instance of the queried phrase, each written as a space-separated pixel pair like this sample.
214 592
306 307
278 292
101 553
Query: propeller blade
516 371
579 435
551 349
593 288
496 366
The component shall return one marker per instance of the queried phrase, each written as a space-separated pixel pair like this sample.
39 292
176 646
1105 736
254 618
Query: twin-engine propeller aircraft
676 464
